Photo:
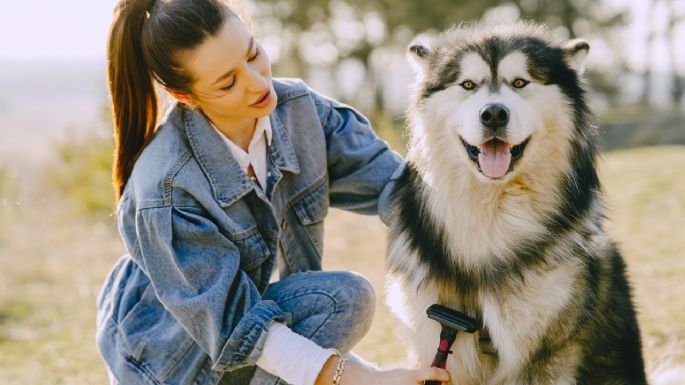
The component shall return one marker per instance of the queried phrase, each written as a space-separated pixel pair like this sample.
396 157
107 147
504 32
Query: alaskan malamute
499 215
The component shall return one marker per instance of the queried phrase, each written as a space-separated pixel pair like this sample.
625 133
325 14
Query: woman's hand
354 374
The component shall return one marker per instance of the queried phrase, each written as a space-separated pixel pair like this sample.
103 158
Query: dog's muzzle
495 158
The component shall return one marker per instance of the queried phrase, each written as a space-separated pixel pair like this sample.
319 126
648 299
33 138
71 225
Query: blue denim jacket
185 304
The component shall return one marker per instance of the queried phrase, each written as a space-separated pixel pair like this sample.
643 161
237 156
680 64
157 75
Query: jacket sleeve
195 272
361 166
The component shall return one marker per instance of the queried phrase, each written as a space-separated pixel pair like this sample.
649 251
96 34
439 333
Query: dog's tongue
494 158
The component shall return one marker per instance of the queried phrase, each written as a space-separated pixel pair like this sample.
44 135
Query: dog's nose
494 115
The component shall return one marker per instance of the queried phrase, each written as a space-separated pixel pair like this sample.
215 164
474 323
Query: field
53 259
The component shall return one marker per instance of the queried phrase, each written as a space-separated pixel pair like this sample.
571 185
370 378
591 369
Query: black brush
452 322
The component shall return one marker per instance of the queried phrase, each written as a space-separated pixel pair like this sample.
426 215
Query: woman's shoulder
166 153
295 94
289 88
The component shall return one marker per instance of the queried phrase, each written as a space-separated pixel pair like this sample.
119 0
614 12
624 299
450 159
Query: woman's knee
357 302
358 293
335 309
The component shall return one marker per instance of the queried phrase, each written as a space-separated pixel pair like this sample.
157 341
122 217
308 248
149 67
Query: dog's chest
517 319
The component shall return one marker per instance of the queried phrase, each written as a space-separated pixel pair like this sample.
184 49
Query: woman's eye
519 83
256 54
468 85
228 87
253 57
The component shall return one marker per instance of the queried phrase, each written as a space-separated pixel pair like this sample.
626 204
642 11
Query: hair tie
150 4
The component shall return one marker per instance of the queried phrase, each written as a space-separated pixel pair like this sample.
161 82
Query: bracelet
339 369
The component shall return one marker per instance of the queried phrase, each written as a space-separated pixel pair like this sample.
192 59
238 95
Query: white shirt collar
256 150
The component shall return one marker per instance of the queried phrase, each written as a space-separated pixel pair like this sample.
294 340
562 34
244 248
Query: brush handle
447 337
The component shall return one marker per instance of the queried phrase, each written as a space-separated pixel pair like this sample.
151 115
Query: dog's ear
575 53
418 54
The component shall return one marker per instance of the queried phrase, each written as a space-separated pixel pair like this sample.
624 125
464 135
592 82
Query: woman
226 196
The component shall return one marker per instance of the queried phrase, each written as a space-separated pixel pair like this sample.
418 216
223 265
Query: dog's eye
468 85
519 83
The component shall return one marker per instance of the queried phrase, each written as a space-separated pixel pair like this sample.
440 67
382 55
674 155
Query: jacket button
284 224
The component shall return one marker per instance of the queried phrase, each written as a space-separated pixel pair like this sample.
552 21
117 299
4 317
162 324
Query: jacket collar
228 181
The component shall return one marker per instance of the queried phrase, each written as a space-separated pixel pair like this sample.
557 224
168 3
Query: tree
350 29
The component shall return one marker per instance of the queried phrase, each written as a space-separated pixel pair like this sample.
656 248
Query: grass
646 197
53 260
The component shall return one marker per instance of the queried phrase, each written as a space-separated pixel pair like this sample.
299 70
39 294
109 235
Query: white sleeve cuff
292 357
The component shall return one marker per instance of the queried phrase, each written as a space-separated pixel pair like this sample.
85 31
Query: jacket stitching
168 181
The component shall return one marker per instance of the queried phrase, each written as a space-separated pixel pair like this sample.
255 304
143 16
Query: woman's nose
258 82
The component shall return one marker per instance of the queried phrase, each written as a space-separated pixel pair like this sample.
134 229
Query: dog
499 214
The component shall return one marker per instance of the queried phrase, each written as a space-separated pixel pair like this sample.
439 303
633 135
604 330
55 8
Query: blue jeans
333 309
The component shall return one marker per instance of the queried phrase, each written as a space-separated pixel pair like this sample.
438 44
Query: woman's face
231 76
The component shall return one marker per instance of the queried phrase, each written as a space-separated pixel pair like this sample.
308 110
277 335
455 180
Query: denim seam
302 194
286 151
176 358
154 205
243 235
234 237
168 181
199 156
232 359
288 96
335 307
332 298
143 370
327 110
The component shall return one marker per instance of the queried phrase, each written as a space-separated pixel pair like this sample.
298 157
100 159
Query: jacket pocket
253 251
311 210
153 338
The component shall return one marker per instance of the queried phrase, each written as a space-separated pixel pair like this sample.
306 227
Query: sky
54 29
77 29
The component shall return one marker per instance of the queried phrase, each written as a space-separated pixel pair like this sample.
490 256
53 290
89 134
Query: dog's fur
520 248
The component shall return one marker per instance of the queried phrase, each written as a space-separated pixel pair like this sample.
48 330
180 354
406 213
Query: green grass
53 260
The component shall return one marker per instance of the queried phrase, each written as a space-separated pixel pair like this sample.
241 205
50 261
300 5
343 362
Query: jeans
333 309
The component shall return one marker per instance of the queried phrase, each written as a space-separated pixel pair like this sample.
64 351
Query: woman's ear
181 97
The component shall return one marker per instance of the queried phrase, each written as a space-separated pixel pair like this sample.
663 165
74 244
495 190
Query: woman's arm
354 374
361 166
195 272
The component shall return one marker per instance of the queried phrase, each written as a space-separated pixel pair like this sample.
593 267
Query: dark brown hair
145 42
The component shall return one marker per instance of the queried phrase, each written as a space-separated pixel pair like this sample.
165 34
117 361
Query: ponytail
144 41
134 103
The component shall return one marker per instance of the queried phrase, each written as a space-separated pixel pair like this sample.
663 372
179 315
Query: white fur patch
512 66
517 322
474 68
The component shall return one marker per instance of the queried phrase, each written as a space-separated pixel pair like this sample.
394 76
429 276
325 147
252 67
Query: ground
53 260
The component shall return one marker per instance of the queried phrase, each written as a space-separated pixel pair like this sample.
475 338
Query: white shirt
256 150
286 354
256 156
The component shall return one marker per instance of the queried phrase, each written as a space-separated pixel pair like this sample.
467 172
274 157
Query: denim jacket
185 304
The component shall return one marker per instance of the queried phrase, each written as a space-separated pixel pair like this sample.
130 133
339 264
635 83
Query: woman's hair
146 42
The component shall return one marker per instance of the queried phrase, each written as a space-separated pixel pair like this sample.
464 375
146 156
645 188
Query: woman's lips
264 100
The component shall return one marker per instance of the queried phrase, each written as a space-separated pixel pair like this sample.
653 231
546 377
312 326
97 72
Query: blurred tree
678 83
647 73
327 31
657 32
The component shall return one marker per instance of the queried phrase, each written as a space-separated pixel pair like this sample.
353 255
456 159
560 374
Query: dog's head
499 97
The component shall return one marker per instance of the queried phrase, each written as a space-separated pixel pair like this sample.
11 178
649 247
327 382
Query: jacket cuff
385 199
247 340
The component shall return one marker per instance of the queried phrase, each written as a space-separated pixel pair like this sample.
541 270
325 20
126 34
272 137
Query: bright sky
77 29
54 29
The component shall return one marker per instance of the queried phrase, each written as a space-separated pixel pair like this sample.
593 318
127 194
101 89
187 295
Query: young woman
226 196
